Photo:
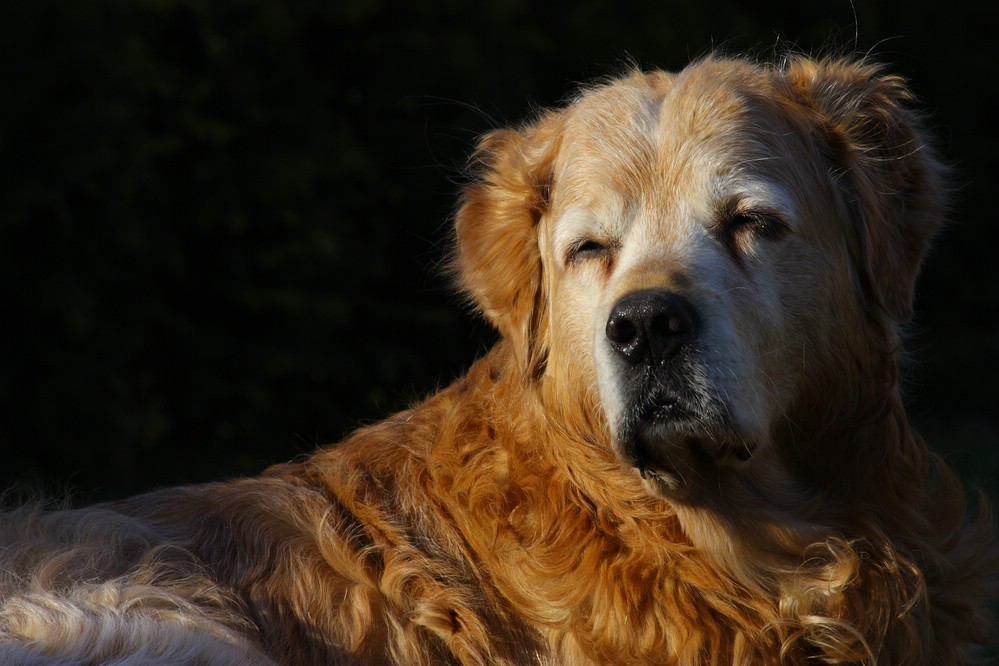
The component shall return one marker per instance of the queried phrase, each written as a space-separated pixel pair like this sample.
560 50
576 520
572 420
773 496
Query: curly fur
497 522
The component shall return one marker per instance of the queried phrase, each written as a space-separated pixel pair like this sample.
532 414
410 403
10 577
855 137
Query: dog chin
676 457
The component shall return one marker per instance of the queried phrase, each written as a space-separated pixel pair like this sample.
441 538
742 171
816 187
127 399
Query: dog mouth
677 441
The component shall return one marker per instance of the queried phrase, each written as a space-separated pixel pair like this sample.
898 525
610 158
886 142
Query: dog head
707 256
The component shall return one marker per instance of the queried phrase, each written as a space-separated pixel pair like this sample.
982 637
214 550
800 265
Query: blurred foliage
222 223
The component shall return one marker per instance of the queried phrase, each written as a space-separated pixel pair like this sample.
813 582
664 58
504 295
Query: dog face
705 258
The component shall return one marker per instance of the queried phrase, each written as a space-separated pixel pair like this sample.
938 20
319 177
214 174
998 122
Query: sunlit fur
495 522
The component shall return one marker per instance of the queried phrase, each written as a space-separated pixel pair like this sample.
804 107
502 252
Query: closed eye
761 224
583 249
736 228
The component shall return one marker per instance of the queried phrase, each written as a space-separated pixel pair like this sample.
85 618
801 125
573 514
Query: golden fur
751 493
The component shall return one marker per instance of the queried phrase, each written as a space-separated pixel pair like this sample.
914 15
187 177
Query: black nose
650 326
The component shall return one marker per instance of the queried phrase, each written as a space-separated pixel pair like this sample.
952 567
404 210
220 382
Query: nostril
677 319
667 324
620 329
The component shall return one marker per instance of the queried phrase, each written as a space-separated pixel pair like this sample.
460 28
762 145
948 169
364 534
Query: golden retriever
687 448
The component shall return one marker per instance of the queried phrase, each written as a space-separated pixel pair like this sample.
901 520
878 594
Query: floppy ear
497 258
892 180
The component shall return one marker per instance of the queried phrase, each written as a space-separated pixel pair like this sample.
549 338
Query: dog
687 447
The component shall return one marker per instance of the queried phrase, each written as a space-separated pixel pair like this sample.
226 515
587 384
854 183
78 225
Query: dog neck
567 503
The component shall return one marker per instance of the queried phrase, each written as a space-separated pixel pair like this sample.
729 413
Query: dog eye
759 224
585 248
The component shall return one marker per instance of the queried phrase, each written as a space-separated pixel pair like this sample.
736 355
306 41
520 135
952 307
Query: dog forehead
661 150
655 139
711 125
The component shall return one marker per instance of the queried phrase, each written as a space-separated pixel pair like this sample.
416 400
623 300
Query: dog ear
497 258
891 178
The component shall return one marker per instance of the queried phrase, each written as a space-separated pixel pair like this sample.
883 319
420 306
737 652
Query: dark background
222 223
